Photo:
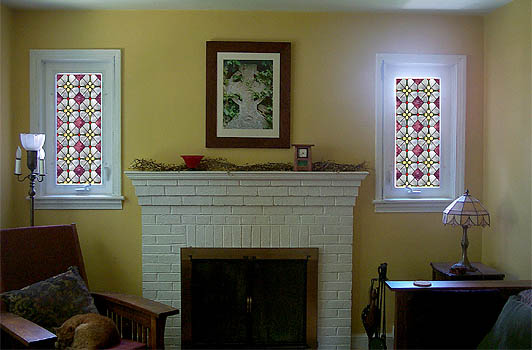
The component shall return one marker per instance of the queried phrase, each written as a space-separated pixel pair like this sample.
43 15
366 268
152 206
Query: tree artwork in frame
248 94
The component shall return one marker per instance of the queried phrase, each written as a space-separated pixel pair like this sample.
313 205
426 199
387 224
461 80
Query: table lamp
465 211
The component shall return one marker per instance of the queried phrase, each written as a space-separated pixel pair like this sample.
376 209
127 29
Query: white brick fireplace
250 209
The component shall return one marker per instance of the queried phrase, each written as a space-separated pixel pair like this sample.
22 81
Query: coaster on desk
422 284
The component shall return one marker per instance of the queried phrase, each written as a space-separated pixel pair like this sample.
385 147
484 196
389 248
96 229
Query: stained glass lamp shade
465 211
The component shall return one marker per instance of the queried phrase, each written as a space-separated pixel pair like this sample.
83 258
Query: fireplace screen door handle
249 301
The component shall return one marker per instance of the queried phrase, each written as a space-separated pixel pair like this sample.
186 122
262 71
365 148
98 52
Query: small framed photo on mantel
248 94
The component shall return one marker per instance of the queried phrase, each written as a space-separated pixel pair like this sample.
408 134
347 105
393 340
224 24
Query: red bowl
192 161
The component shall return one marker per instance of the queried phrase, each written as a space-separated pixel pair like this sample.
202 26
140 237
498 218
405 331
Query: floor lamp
33 144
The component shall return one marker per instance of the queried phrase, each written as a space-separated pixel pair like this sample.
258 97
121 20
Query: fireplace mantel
250 209
244 175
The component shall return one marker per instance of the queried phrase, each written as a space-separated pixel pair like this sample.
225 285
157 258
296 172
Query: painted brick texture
255 209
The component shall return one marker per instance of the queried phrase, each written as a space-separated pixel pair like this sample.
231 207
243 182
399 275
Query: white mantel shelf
250 209
238 175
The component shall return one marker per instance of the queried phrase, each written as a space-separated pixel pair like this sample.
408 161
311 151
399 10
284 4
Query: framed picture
248 94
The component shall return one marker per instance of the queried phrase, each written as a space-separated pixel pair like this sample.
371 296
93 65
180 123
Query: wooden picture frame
247 94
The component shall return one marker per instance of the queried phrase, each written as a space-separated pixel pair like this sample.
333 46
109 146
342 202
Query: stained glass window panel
78 130
417 132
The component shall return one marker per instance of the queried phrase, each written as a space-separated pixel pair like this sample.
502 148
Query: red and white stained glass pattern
79 133
417 132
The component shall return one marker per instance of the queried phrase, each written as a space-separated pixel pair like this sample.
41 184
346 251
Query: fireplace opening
249 298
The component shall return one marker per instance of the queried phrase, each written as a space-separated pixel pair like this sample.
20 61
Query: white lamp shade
32 142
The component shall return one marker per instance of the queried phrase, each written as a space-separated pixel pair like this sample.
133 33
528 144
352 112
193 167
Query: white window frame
452 68
44 65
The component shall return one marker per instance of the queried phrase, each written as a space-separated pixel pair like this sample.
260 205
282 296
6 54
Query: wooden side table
415 325
440 272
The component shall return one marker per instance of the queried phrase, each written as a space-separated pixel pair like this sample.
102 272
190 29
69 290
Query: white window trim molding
78 202
436 204
111 199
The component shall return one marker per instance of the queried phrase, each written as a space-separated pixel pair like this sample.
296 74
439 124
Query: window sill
78 202
411 205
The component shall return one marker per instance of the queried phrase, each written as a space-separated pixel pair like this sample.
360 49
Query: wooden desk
438 316
440 272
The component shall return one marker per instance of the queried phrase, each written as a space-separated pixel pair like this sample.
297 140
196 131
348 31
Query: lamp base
461 268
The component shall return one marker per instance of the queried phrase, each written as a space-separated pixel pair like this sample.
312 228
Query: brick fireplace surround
250 209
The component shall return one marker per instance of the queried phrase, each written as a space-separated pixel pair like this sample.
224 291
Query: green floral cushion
51 302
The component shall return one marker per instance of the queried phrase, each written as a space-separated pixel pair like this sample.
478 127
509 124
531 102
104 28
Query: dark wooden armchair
32 254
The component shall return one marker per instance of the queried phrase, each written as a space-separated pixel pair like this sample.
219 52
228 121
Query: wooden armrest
149 314
26 332
136 303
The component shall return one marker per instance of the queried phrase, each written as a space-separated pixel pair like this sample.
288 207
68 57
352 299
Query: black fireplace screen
248 303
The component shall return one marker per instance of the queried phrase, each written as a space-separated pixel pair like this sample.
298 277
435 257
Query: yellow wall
507 243
333 74
7 147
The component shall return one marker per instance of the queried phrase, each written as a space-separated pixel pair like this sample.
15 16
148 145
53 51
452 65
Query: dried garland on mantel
221 164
